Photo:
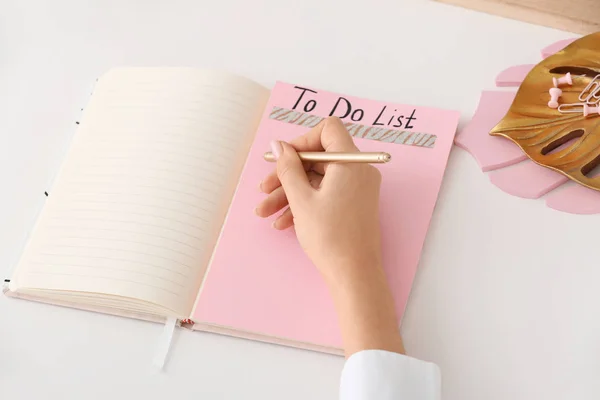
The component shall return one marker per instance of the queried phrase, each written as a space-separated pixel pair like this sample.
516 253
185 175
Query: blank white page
141 197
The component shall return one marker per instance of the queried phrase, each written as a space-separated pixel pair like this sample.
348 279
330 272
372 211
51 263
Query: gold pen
333 157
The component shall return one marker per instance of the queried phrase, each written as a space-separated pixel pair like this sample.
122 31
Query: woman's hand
335 208
335 211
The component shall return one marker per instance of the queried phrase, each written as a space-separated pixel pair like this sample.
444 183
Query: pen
324 157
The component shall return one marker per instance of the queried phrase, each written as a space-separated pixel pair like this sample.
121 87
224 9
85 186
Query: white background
507 297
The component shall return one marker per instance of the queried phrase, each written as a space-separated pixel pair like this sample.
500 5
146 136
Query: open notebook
151 215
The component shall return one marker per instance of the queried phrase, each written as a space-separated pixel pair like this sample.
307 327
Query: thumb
290 171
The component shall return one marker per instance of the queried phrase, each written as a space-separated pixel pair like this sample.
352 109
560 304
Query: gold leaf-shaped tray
540 130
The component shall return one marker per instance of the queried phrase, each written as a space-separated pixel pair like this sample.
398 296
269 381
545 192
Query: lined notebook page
140 200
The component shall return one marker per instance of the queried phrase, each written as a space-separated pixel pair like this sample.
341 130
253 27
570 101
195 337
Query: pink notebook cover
260 281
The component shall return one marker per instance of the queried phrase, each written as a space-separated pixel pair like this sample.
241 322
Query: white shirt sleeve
383 375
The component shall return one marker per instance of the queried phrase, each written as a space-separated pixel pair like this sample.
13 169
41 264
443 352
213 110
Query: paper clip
577 108
591 91
573 108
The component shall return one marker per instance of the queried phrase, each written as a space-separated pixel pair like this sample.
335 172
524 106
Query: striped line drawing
408 138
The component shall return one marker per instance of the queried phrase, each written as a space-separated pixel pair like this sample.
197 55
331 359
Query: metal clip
585 109
573 108
591 91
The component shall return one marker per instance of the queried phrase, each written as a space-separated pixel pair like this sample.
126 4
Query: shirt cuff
383 375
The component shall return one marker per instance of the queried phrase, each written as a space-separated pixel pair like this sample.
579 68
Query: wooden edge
525 14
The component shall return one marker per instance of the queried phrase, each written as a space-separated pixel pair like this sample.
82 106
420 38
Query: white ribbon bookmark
165 343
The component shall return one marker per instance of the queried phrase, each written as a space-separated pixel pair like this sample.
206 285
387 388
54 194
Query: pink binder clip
555 93
562 81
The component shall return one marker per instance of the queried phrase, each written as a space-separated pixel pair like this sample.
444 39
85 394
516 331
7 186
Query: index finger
329 135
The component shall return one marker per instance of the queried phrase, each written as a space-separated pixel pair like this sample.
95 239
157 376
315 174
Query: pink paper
576 199
491 152
513 76
556 47
260 280
527 179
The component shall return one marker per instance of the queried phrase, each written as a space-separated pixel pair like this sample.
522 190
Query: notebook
151 214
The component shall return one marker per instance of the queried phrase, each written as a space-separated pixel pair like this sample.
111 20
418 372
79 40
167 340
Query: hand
335 211
335 207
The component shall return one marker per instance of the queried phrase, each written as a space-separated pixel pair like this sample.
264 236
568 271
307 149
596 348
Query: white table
507 298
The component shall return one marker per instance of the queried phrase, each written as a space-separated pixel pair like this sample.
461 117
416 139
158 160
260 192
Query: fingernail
274 224
256 211
276 148
260 187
